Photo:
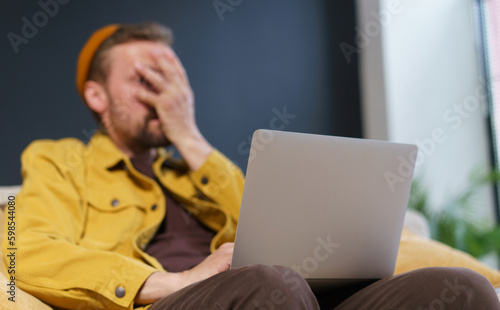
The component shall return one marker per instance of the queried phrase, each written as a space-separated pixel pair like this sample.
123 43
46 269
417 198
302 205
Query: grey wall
263 57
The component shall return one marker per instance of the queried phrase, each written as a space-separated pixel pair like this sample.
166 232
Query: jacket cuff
214 175
121 289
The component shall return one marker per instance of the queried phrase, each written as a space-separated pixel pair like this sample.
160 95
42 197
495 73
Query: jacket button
120 292
115 202
153 207
204 180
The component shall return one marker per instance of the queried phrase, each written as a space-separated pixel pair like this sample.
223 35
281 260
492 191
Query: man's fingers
166 68
227 248
175 81
145 96
171 67
151 79
181 72
227 245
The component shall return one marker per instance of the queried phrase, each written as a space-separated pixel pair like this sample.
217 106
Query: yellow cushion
418 252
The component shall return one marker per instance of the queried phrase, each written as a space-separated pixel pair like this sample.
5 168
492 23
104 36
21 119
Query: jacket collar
104 153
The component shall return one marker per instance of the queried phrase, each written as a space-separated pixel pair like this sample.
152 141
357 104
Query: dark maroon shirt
181 242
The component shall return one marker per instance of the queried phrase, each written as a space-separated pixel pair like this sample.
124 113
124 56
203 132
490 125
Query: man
119 223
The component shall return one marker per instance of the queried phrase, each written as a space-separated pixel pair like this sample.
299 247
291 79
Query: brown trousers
274 287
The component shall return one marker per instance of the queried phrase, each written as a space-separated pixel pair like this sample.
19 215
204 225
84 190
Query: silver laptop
330 208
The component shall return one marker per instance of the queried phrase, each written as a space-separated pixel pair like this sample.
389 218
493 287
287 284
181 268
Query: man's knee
274 277
456 279
278 286
452 286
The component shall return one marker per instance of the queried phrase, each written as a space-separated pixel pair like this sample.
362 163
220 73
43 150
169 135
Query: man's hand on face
166 88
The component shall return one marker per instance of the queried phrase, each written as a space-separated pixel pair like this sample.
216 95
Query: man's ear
95 96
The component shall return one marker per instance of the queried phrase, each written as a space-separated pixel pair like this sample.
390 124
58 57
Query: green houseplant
455 222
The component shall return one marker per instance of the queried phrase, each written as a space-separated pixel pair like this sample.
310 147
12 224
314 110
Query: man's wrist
158 285
195 151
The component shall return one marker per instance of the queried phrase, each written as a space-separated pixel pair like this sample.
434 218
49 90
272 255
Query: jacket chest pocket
113 218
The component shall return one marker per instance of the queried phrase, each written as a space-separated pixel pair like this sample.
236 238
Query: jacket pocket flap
114 199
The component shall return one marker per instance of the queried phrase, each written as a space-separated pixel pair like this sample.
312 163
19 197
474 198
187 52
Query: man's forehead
136 51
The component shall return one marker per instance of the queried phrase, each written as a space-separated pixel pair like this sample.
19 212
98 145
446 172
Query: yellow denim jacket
85 215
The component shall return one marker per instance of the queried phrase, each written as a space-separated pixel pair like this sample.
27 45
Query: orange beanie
87 54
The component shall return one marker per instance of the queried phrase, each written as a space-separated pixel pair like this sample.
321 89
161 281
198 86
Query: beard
138 134
146 138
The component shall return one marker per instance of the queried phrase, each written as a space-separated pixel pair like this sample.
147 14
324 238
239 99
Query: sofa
416 250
